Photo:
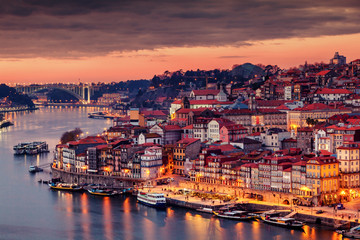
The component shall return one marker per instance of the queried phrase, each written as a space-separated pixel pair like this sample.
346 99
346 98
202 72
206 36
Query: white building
205 94
328 95
80 165
200 128
288 90
321 141
151 163
272 138
69 159
149 138
213 131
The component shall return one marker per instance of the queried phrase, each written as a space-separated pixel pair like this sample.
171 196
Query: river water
30 210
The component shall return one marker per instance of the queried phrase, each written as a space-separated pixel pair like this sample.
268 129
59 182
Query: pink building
232 132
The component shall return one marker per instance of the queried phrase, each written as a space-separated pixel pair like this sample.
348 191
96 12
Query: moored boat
352 232
20 148
205 210
34 169
4 122
101 192
234 215
282 222
65 186
31 148
152 199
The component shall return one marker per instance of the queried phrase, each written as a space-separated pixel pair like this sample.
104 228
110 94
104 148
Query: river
30 210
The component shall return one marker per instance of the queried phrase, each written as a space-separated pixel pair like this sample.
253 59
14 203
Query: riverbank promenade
185 198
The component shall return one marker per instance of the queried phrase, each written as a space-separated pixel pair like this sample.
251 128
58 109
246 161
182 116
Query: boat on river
101 115
31 148
34 169
65 187
205 210
101 192
151 199
234 215
20 148
352 232
4 122
282 222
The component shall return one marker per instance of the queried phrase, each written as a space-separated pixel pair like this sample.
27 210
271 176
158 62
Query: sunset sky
117 40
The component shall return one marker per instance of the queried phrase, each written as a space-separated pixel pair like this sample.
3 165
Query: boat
205 210
31 148
352 232
65 186
152 199
234 215
4 122
34 169
282 221
101 192
100 115
20 148
36 147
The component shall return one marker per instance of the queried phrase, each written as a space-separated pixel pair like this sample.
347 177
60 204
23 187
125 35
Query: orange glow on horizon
145 64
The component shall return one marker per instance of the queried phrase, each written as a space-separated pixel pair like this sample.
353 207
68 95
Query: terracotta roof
305 129
206 92
235 127
282 107
300 163
88 140
155 113
61 146
172 127
204 102
314 106
188 110
191 126
188 141
323 160
209 102
271 103
289 140
224 147
100 147
332 91
325 153
323 73
152 135
149 144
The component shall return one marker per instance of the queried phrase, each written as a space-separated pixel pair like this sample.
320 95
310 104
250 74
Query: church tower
252 102
185 103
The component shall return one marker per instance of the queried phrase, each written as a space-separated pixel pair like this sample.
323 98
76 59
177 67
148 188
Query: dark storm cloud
80 28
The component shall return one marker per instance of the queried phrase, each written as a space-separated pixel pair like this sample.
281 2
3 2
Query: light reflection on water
33 211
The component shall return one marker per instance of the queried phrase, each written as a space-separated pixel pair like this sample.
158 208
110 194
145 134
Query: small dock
31 148
193 203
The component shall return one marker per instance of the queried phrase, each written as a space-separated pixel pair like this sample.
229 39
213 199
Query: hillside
13 98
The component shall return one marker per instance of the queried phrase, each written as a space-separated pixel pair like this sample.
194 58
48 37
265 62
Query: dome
238 105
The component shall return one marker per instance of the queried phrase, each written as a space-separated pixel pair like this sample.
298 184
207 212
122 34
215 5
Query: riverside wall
268 196
81 178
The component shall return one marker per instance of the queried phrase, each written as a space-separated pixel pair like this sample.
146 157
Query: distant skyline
106 41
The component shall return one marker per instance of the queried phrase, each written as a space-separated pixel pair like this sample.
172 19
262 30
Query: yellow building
317 111
348 156
322 177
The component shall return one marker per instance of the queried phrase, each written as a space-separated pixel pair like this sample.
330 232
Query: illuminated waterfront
30 210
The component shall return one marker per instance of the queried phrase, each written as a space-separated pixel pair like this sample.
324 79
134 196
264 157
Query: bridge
82 92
